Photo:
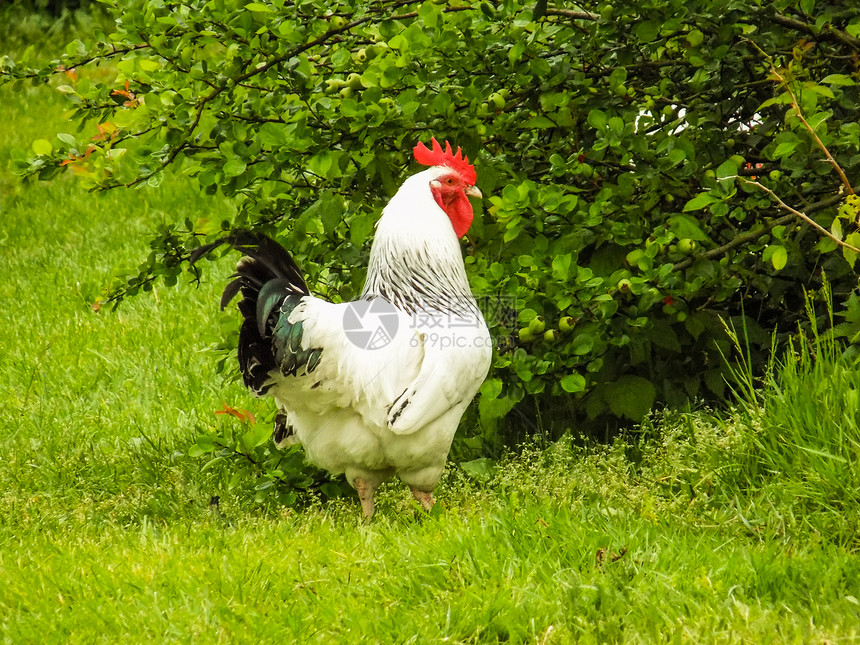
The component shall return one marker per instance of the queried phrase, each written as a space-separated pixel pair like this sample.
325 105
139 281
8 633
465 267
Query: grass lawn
706 531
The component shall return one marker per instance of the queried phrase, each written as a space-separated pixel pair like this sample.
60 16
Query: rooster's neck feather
416 262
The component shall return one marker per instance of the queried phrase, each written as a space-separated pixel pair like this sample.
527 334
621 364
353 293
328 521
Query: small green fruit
685 246
624 285
360 55
620 90
551 335
525 335
537 325
354 81
337 22
775 175
333 85
347 92
566 324
497 101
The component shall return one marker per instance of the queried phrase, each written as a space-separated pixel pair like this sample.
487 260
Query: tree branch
806 218
54 69
753 235
570 13
827 30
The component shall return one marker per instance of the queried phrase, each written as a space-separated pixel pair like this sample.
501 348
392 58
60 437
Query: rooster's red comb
439 157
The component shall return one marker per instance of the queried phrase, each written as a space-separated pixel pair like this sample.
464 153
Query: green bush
616 144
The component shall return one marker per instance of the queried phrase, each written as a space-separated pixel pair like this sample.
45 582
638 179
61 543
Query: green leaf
662 335
204 444
684 226
561 267
260 7
328 209
573 383
836 228
839 80
784 149
491 388
630 396
597 119
777 255
149 65
647 31
700 201
820 89
729 168
480 469
331 490
582 344
42 147
854 240
256 436
234 167
537 123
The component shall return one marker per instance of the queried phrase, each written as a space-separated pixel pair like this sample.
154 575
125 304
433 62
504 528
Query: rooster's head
453 184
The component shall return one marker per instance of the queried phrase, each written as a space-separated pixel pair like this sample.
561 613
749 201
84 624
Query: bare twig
806 218
754 234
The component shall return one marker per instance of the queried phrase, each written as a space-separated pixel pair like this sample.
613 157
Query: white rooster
375 387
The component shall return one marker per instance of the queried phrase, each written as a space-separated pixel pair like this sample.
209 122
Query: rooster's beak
472 191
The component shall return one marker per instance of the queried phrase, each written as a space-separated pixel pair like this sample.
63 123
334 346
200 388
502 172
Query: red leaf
245 416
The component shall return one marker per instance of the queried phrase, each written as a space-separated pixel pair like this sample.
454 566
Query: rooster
375 387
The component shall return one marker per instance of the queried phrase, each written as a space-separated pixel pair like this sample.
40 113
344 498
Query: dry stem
806 218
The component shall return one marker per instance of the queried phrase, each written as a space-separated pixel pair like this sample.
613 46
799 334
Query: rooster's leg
365 493
424 498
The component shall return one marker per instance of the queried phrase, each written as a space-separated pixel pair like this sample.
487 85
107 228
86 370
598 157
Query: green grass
707 530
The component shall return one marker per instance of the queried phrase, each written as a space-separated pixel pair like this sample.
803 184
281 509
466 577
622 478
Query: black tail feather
266 263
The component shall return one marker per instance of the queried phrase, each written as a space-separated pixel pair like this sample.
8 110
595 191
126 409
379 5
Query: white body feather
372 413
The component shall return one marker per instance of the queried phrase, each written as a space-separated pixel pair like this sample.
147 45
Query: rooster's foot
365 494
424 498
